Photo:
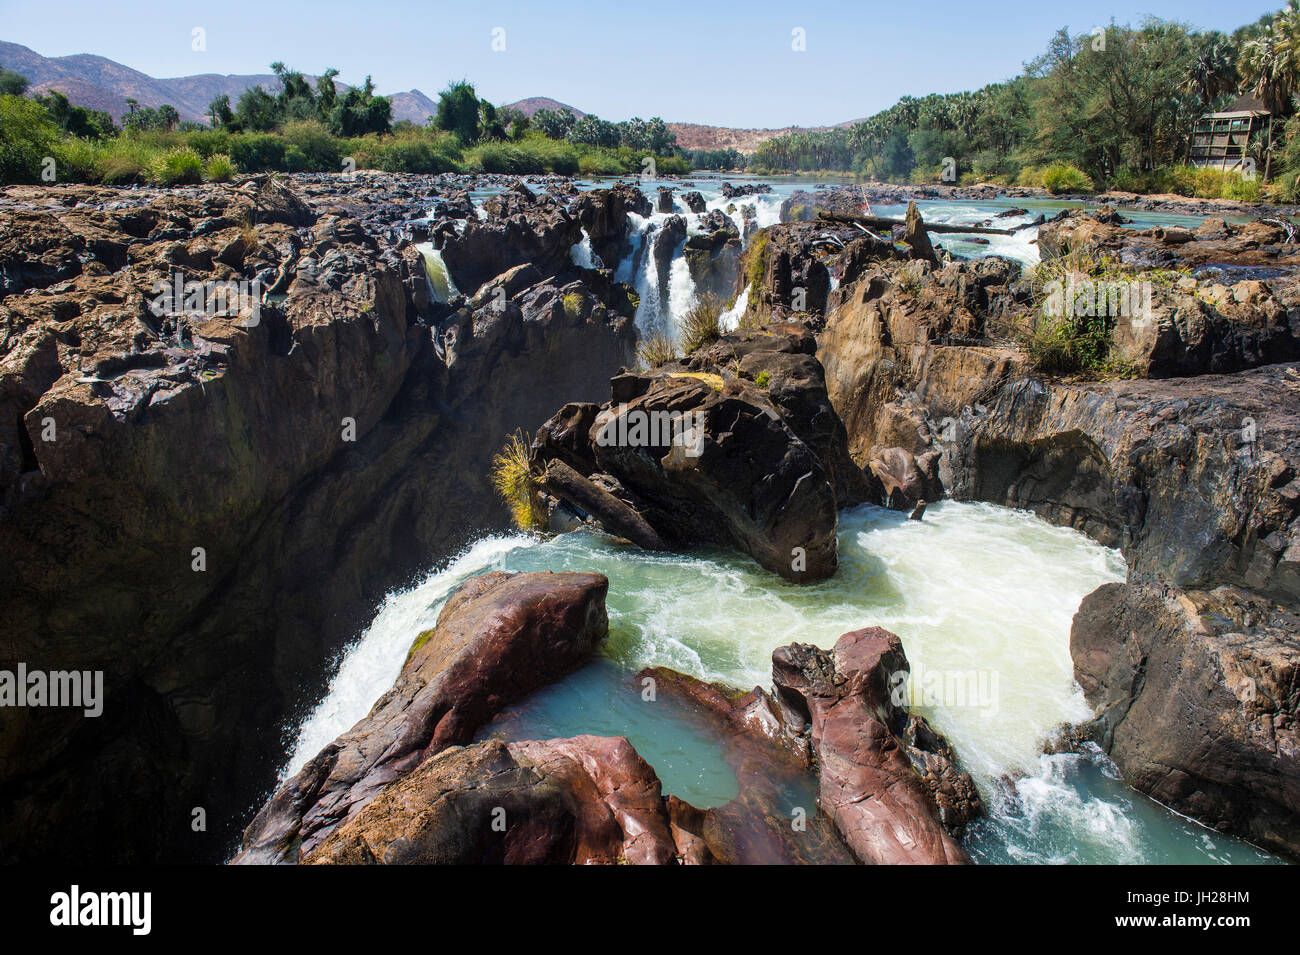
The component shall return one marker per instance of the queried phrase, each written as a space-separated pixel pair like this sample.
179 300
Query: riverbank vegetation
1111 109
307 127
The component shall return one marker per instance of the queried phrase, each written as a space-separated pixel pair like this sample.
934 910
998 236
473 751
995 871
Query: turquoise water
982 597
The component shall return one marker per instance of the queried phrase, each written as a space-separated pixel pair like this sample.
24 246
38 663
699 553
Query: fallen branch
616 517
880 222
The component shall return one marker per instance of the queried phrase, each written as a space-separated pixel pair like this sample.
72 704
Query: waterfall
583 256
441 285
730 319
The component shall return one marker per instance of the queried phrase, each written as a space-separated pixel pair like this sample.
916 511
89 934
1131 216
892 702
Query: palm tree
1271 62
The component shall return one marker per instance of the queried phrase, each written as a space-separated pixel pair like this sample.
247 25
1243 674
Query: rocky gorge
225 497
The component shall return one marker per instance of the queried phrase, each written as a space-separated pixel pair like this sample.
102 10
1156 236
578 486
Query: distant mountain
534 103
695 136
413 105
100 83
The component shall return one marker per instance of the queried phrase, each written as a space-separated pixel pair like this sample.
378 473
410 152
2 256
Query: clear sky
720 63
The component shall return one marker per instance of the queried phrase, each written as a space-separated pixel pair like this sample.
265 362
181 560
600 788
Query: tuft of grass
512 478
218 168
763 378
573 303
701 325
179 166
655 351
757 259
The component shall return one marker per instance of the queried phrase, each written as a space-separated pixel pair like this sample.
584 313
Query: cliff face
204 508
1195 476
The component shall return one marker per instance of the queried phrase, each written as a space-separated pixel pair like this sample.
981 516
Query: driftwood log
883 223
616 517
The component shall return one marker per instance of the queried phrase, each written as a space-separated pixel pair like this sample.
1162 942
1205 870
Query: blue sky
726 64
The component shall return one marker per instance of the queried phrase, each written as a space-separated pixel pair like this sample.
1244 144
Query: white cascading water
582 254
373 661
730 319
654 316
441 283
989 652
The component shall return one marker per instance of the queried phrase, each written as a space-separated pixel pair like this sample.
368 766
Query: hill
97 82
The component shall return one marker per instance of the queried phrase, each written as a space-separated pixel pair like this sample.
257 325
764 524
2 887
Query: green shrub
318 151
78 160
599 164
27 138
258 152
408 154
218 168
763 378
209 142
124 161
1064 177
181 166
501 158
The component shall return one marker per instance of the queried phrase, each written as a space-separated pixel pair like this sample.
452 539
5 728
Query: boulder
1195 699
498 638
588 800
842 700
705 462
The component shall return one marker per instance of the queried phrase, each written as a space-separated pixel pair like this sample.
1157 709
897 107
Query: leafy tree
554 124
76 120
219 111
12 84
514 122
360 112
591 130
27 137
458 111
257 110
1270 63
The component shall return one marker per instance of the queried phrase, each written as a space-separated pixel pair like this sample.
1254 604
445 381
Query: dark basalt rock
521 228
603 213
754 485
589 800
1196 701
771 469
499 637
312 456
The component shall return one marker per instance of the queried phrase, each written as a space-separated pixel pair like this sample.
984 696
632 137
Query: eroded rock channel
208 507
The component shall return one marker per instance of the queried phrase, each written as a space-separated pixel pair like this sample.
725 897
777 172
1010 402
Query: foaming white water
973 590
972 587
1020 245
582 254
372 662
681 295
730 319
638 228
441 284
